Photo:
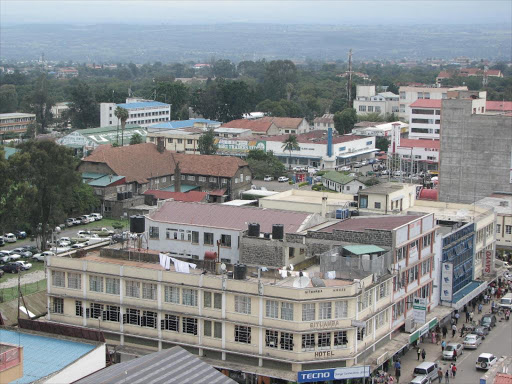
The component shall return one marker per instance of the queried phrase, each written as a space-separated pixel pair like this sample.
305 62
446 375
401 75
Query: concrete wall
470 144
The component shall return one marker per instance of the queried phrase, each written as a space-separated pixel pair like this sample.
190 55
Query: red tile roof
503 378
227 216
258 125
218 192
504 106
386 223
493 72
191 196
420 143
444 75
141 162
426 103
284 122
470 71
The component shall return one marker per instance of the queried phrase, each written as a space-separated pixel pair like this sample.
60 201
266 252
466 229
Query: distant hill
166 43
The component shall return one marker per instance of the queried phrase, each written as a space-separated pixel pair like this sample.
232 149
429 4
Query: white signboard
419 310
351 373
446 282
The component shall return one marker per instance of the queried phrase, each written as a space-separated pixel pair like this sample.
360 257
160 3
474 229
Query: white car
345 168
450 348
25 265
80 233
268 178
283 179
78 245
96 216
508 275
472 341
363 162
6 256
41 256
486 361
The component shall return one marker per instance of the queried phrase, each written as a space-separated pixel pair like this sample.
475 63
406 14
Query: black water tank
266 235
240 271
130 194
120 196
254 230
277 231
137 224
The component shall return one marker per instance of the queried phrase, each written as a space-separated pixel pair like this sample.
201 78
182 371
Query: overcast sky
263 11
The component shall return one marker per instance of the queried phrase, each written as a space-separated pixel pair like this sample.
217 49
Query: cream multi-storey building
267 326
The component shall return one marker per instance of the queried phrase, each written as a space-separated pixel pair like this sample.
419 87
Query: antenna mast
349 84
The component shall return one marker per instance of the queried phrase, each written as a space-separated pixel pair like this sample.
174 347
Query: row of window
363 108
191 236
400 306
404 252
508 229
412 274
425 121
416 111
487 231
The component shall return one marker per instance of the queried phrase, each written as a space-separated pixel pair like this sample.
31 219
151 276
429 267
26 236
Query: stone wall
262 252
368 236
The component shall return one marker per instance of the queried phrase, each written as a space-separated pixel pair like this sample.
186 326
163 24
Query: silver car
472 341
448 353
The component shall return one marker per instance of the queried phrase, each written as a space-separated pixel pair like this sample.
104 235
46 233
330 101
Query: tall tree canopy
206 144
83 110
344 121
175 93
290 144
41 103
8 98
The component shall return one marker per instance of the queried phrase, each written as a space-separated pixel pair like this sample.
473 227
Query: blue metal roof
43 356
184 188
143 104
105 180
176 124
459 295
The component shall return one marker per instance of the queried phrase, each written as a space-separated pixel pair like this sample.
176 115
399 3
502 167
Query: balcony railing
9 359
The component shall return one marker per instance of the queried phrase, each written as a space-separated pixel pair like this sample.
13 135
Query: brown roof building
257 126
287 125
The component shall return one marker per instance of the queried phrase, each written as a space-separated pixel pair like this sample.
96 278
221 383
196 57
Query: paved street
498 342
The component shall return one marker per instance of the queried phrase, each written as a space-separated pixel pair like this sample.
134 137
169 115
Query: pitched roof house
257 126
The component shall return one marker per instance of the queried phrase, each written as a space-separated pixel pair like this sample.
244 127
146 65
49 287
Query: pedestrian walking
398 367
462 330
480 306
454 370
457 315
423 354
454 331
454 355
419 353
443 345
474 305
440 374
467 317
447 377
445 331
471 314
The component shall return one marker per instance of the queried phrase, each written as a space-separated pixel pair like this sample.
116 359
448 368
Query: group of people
450 372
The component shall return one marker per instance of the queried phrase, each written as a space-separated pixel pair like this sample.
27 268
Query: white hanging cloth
163 260
182 266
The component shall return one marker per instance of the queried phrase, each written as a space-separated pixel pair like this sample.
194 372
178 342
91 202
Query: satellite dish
291 267
223 267
301 282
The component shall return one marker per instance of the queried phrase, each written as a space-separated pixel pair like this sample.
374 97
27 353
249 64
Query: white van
421 380
506 301
10 238
428 369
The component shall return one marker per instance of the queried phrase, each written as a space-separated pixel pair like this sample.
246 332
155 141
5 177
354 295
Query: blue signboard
333 374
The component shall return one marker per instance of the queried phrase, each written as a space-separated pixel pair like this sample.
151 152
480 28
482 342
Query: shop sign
446 282
488 262
324 324
333 374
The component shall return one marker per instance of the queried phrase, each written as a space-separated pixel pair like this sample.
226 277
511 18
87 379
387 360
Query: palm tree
290 144
121 114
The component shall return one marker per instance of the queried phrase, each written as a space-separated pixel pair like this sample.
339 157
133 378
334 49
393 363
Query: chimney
329 142
324 206
177 178
160 144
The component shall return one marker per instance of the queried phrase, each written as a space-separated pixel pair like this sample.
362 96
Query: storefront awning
353 154
468 293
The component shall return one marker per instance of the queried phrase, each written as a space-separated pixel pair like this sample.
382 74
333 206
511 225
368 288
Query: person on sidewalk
423 354
454 355
471 314
447 376
467 316
445 331
440 374
454 370
457 315
418 351
443 345
454 331
480 306
462 330
398 367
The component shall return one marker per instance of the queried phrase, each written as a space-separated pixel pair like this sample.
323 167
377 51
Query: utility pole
349 84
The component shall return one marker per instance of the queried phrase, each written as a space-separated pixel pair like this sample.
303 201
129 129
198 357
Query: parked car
283 179
78 245
485 361
10 238
20 234
420 380
41 256
25 265
312 171
6 256
2 241
31 248
364 162
345 168
268 178
472 341
372 161
102 231
384 172
22 252
481 331
398 173
507 276
70 222
96 216
449 350
83 233
488 321
357 164
11 267
84 219
428 369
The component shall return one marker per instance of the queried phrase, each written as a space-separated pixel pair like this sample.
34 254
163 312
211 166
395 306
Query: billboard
333 374
240 146
419 313
446 282
488 266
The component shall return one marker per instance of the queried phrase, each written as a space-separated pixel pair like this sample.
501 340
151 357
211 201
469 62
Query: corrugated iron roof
385 223
173 365
363 249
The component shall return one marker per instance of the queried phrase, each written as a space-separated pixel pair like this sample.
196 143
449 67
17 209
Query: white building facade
367 101
142 112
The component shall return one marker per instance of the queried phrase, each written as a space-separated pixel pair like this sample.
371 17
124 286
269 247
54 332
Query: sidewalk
433 352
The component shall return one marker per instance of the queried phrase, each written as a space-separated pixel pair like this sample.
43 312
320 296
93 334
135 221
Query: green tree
382 143
8 98
41 103
264 163
278 74
83 110
175 93
290 144
136 139
372 116
206 144
49 184
344 121
122 114
391 118
224 68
